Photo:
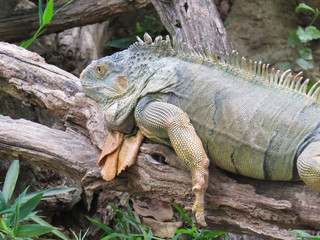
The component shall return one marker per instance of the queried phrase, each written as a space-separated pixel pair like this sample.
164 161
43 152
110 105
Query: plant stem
315 18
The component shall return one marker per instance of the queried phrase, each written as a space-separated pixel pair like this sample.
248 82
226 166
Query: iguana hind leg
308 165
164 120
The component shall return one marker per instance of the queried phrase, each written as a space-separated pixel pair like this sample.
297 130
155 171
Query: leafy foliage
128 226
44 19
80 237
150 24
300 38
303 235
22 210
193 231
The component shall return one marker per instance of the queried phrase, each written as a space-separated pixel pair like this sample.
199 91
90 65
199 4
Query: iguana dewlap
247 119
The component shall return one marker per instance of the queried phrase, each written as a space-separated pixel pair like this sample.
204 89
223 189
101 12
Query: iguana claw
118 153
198 208
200 184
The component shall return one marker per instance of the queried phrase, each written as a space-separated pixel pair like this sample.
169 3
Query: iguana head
102 80
105 80
118 81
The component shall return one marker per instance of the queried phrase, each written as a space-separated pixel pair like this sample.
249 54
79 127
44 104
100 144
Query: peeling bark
233 203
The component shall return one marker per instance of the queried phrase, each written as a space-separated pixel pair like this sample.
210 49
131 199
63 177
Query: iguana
248 119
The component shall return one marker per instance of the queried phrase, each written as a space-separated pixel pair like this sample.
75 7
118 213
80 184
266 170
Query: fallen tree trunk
233 203
23 25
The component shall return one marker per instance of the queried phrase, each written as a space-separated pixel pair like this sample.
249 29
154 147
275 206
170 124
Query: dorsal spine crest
247 67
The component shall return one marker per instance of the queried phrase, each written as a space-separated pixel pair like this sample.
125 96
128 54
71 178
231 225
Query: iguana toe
118 153
198 212
113 142
129 151
109 170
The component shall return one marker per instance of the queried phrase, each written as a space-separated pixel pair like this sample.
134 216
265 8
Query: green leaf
101 225
44 223
13 220
207 234
8 210
117 235
29 206
27 43
32 230
185 231
62 7
80 237
121 43
306 53
48 192
2 201
302 234
5 227
176 236
37 34
11 180
186 216
48 13
16 218
139 28
40 13
293 39
133 223
304 64
19 198
285 66
304 6
310 33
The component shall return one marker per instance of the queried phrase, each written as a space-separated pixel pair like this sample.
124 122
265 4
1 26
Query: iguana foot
129 151
109 170
200 177
198 208
118 153
113 142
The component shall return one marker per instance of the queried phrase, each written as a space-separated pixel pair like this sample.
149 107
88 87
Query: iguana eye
99 69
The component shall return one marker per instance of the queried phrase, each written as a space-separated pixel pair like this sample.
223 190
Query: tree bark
195 23
23 25
234 203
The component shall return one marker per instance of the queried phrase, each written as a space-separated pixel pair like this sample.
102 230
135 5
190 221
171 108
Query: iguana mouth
92 85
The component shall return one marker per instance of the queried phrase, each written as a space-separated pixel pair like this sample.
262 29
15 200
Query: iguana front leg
161 121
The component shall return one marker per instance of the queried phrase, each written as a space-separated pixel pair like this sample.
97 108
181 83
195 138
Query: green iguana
248 119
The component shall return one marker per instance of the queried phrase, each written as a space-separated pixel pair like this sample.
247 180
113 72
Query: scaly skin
158 120
245 118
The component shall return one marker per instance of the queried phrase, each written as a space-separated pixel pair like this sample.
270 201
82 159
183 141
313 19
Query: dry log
195 23
24 24
233 203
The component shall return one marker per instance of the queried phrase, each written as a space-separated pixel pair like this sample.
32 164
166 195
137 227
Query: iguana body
250 121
